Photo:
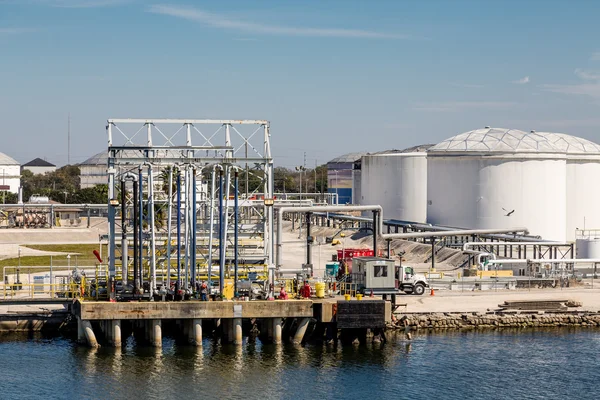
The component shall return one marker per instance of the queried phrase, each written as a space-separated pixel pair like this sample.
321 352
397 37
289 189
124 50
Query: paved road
456 301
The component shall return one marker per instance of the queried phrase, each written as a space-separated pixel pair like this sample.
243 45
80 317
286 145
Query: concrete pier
301 330
145 318
276 322
237 331
81 339
114 332
154 332
192 330
89 333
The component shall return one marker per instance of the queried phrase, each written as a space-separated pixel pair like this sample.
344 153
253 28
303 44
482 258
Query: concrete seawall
466 321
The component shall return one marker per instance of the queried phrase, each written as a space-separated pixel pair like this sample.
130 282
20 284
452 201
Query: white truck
381 276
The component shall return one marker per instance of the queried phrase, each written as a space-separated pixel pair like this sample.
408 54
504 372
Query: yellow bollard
359 297
347 297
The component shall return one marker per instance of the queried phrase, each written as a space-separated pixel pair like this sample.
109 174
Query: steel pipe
235 230
140 229
221 255
178 213
468 245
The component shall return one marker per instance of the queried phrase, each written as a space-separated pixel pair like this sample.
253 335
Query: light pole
337 196
300 169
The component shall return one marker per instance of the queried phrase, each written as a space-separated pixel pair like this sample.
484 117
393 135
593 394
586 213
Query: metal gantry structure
173 196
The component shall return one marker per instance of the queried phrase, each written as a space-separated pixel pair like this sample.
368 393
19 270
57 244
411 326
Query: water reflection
396 369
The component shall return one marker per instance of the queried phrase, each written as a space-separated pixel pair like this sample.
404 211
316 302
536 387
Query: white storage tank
10 174
498 178
397 180
583 192
587 248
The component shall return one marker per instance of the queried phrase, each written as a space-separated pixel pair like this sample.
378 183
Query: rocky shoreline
466 321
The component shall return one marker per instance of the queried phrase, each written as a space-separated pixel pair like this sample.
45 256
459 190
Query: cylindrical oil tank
588 248
498 178
583 192
583 196
398 182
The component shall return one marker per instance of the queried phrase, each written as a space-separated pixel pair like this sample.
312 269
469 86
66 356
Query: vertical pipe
194 224
226 217
271 215
124 245
308 240
140 229
186 234
169 227
212 226
389 243
221 255
375 233
135 237
152 235
432 254
178 213
235 230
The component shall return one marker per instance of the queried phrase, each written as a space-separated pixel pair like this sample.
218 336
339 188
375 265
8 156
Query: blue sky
331 76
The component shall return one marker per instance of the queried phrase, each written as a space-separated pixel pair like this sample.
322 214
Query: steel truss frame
151 149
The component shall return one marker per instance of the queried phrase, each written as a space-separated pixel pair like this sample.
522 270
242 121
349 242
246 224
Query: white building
39 166
396 180
341 180
10 173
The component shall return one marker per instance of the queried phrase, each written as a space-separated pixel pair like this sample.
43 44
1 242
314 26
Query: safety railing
26 291
350 288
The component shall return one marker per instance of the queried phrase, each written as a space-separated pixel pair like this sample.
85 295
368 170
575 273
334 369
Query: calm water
525 364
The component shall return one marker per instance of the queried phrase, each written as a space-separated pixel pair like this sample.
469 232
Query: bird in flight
508 213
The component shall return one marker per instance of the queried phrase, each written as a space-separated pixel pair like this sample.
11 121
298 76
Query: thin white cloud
595 56
14 31
223 22
585 89
588 75
68 3
466 85
522 81
463 105
591 86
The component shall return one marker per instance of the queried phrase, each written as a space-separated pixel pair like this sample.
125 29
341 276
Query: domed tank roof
6 160
571 144
97 159
422 148
497 140
347 158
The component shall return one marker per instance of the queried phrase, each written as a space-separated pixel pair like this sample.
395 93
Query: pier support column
114 332
80 332
193 331
89 333
237 331
196 332
301 331
277 330
154 332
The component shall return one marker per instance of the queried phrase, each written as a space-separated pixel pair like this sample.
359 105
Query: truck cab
409 282
381 276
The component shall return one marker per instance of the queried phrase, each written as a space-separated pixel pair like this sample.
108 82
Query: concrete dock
273 316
